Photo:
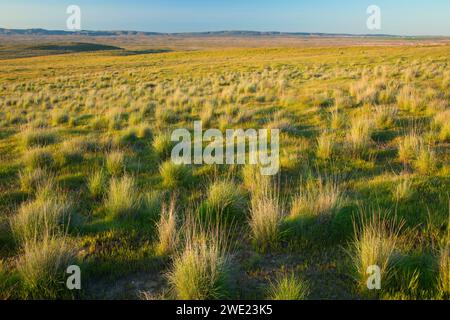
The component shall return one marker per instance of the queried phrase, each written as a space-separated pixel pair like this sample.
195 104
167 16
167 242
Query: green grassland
85 175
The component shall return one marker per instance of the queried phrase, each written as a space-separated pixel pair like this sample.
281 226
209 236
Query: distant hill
22 51
44 32
73 47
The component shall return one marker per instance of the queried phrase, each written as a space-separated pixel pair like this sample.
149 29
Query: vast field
86 176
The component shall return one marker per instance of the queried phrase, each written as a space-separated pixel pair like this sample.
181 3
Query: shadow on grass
139 52
316 232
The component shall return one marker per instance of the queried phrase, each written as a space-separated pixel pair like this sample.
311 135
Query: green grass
288 288
89 133
42 266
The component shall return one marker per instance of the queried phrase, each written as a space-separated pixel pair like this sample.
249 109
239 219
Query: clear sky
402 17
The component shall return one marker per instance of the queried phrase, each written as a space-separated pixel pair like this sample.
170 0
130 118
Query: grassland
85 177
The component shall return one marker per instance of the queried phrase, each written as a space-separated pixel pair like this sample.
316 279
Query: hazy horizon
403 18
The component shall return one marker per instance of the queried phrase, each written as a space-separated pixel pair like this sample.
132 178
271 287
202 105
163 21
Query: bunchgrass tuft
359 136
319 198
46 216
375 244
38 138
325 146
408 147
426 162
163 146
403 190
32 180
39 158
96 183
225 201
288 287
266 214
200 269
167 230
444 273
115 163
175 175
123 198
42 267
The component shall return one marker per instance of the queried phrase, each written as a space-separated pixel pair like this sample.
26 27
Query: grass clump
167 230
266 214
60 117
444 273
43 217
359 136
325 146
441 125
123 198
374 244
403 189
31 180
225 201
71 152
39 158
385 116
38 138
408 147
318 198
253 180
162 144
200 270
6 288
144 131
42 267
96 183
426 162
115 163
288 288
174 175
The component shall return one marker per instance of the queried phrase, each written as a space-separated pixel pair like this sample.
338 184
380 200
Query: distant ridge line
45 32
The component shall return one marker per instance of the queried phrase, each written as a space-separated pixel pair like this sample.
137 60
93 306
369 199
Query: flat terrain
212 41
85 176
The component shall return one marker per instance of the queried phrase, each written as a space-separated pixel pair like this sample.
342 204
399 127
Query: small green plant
325 146
225 201
174 175
123 198
200 270
403 190
266 214
42 217
359 136
115 163
374 244
318 198
42 267
288 288
167 230
96 183
31 180
39 158
408 147
426 162
38 138
444 273
163 146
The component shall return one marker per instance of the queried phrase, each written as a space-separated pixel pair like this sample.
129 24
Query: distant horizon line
30 31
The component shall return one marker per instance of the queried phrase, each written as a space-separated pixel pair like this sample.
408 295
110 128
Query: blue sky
403 17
